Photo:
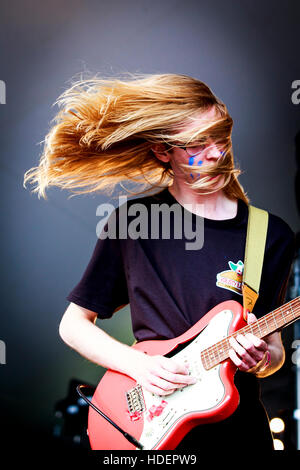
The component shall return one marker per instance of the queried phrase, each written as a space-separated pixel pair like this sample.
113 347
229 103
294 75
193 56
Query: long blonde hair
105 128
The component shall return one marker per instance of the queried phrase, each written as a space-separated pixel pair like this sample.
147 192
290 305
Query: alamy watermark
296 94
157 221
2 352
296 354
2 92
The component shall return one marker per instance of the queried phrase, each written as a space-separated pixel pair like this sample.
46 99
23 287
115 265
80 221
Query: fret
279 321
292 311
274 319
255 329
250 327
203 358
208 357
283 318
220 348
266 324
261 335
269 323
226 347
282 314
212 355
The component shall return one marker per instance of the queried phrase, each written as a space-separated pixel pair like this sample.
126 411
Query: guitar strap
254 255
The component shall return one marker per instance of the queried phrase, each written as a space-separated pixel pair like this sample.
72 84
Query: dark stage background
247 52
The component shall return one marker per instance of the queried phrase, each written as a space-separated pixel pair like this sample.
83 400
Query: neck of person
215 206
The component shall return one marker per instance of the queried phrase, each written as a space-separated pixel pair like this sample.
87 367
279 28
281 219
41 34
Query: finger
244 355
258 343
169 384
175 372
250 347
176 379
251 318
163 384
157 390
237 361
173 366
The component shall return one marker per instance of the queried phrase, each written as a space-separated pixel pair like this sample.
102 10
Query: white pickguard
205 394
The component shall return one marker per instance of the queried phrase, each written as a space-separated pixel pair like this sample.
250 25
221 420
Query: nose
212 152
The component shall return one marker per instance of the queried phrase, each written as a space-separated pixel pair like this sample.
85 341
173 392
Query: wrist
262 365
135 362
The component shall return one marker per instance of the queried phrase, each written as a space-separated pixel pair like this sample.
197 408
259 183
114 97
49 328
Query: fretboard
273 321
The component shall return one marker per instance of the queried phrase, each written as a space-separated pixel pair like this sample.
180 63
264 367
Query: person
171 133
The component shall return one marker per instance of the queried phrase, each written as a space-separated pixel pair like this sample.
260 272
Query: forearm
96 345
157 373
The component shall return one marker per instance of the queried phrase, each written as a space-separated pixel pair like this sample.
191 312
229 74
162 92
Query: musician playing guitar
172 131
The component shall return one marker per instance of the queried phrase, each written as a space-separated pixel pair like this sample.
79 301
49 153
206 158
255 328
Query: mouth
203 174
212 177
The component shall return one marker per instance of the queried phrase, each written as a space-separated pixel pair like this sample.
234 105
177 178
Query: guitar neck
273 321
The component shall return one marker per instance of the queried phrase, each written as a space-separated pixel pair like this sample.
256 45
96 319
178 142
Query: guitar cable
127 436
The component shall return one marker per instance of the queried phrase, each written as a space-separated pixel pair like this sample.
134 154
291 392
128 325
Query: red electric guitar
142 420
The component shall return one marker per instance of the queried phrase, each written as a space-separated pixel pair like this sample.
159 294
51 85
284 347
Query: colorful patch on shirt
231 279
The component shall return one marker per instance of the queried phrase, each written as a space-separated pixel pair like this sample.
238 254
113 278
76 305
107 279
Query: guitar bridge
135 402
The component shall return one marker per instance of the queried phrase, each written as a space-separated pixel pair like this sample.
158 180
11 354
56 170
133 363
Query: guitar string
210 353
209 357
256 324
270 314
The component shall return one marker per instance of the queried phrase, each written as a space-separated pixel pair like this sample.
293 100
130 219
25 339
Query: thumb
251 318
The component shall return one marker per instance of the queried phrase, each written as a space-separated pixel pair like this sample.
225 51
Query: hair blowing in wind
104 130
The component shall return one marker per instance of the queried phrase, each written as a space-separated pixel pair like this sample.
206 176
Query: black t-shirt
169 287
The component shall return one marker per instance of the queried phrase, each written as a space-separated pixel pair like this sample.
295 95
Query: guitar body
161 422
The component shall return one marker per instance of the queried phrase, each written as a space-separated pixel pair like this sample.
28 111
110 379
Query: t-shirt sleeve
103 286
276 272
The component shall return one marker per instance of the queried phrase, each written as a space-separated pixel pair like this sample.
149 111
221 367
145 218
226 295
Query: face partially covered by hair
206 161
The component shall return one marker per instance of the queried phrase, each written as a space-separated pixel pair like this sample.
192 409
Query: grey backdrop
246 52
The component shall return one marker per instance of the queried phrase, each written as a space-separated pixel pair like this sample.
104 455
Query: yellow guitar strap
254 255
